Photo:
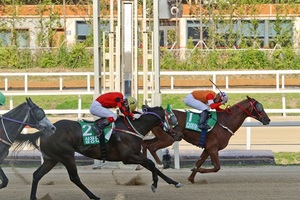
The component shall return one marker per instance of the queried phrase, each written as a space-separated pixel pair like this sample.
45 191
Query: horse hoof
192 169
178 185
153 188
191 180
139 167
160 167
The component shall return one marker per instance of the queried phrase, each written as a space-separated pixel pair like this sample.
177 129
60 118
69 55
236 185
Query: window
161 38
5 38
251 30
280 32
21 38
82 30
193 31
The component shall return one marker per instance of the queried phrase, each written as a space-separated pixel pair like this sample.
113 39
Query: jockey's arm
124 110
216 106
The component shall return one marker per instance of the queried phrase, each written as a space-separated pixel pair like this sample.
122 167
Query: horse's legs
3 154
70 164
152 145
145 145
214 156
38 175
199 163
149 164
157 143
3 178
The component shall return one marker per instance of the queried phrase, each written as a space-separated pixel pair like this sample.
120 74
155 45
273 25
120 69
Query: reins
9 142
171 127
130 125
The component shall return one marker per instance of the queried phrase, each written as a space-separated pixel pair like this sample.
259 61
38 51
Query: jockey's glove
136 116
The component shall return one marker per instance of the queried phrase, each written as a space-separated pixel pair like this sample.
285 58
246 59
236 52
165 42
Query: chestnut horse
124 145
228 122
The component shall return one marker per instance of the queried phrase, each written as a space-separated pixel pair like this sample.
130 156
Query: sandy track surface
232 183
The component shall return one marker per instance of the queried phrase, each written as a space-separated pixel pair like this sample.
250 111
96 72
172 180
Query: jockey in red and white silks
100 106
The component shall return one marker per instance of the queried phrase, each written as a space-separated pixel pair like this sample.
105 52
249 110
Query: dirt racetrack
230 183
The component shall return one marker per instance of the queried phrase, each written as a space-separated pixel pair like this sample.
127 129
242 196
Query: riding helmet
132 102
224 97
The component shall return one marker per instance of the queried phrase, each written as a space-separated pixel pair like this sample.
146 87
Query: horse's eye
259 107
173 120
39 114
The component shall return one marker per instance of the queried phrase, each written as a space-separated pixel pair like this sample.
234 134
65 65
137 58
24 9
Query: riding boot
203 120
99 126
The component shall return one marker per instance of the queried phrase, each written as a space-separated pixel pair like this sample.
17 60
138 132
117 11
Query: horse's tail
28 139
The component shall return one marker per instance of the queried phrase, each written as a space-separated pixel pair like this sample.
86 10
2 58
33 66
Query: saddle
192 119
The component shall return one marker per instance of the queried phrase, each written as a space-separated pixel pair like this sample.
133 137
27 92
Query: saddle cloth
192 120
88 134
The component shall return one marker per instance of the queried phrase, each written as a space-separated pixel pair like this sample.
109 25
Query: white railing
280 86
79 111
279 74
60 76
279 81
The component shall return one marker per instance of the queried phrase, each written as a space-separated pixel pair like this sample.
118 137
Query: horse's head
168 120
171 123
256 110
37 118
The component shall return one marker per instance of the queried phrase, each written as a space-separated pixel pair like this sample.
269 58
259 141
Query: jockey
100 107
2 99
204 100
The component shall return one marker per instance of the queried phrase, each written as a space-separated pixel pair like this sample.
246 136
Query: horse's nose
266 121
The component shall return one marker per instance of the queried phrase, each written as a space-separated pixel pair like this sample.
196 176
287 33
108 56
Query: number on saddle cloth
89 135
192 120
192 124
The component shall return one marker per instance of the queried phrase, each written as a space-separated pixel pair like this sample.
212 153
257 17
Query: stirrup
203 126
97 130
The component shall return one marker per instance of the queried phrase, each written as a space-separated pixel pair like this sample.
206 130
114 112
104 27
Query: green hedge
232 59
78 56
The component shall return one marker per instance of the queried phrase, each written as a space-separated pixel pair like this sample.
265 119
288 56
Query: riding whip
216 87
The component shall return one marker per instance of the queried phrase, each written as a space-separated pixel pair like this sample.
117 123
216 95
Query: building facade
30 25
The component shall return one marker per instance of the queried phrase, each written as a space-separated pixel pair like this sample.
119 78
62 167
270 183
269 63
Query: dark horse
228 122
13 122
124 145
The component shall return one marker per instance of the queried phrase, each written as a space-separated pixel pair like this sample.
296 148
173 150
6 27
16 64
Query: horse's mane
14 110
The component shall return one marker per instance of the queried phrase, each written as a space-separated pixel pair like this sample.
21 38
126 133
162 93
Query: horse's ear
29 102
145 108
169 108
248 97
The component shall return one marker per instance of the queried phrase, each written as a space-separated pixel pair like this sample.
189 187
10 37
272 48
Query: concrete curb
230 157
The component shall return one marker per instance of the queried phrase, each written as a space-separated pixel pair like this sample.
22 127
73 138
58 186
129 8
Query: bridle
256 109
24 122
170 122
